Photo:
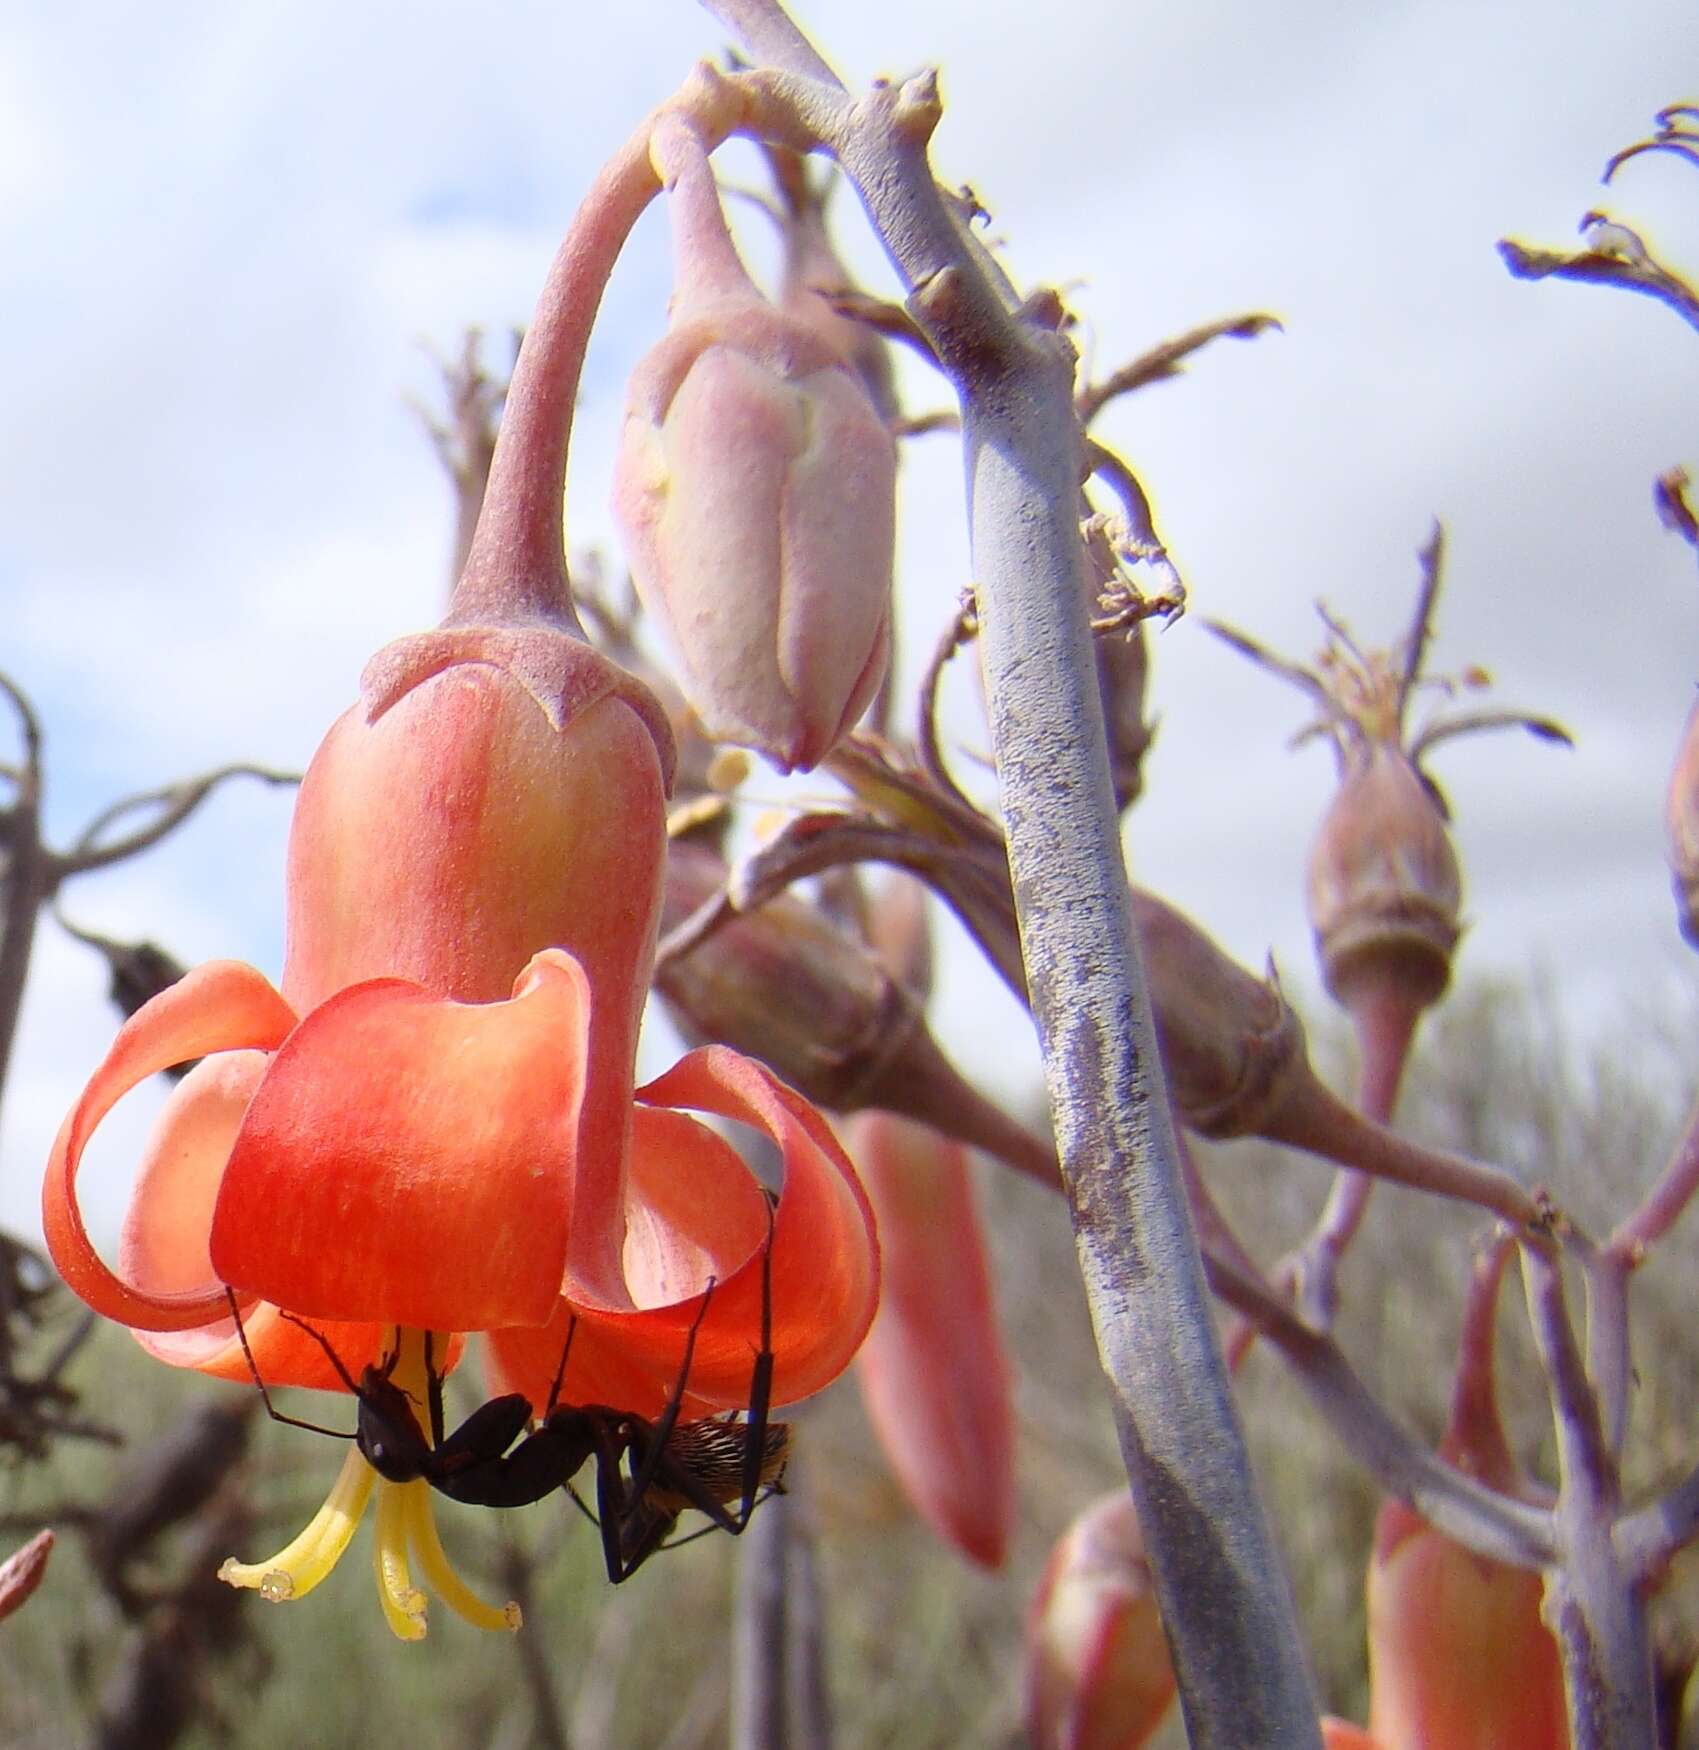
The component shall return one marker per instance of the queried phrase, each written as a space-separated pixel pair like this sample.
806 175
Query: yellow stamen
403 1603
454 1592
404 1519
298 1567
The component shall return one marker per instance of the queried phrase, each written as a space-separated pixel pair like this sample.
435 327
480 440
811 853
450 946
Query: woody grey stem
1224 1596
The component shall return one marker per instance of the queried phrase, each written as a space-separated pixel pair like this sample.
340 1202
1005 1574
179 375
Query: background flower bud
933 1370
1230 1045
1384 887
1458 1656
1337 1734
787 985
1098 1674
754 487
1681 814
812 272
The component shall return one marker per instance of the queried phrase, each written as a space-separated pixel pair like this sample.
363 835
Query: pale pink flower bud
755 489
1098 1675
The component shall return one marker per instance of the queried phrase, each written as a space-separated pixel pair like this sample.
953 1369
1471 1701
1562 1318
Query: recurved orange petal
410 1159
696 1211
825 1260
163 1247
221 1006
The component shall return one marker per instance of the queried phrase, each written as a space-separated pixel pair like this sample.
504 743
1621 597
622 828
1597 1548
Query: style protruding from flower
1098 1672
754 487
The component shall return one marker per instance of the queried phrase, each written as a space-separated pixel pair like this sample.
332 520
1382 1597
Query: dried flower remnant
755 489
1616 254
785 984
1098 1673
1677 132
1232 1048
1384 888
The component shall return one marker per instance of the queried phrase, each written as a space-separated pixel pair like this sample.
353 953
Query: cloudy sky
230 233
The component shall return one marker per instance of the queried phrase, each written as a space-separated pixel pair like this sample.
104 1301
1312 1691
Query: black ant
647 1472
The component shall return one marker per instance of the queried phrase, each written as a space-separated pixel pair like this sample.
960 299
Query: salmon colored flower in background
1339 1734
934 1373
432 1128
1098 1676
1459 1655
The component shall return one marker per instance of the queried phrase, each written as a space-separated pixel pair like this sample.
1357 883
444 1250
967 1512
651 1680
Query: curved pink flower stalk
933 1370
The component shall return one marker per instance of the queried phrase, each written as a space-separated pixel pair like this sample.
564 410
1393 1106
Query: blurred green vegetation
924 1650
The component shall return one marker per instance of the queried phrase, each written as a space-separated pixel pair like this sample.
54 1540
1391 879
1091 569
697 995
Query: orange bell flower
432 1128
1459 1657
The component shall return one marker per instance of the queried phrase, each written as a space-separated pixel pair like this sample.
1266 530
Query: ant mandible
647 1472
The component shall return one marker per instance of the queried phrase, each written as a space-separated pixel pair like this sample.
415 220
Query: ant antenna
324 1343
253 1367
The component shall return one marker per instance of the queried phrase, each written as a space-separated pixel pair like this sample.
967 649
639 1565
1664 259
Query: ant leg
560 1372
578 1502
739 1523
760 1389
433 1392
323 1342
643 1473
265 1396
613 1504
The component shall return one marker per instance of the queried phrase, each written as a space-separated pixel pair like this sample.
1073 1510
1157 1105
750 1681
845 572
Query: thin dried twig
1633 273
1168 359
